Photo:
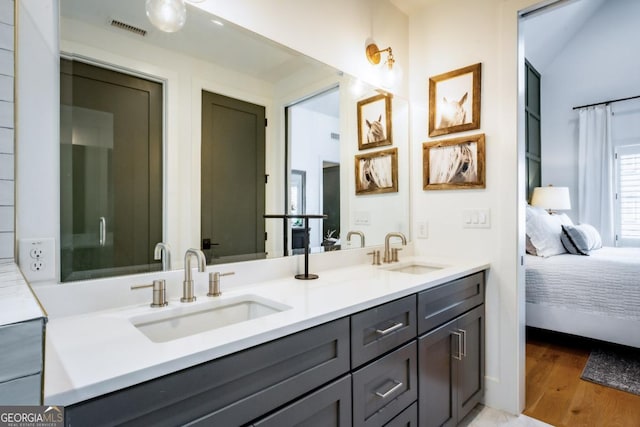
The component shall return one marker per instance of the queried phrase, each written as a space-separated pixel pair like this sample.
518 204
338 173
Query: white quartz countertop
17 302
90 354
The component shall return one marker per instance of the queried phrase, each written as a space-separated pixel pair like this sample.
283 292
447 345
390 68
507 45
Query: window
628 195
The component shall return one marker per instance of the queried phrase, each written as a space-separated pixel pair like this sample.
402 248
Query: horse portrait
454 101
452 113
376 131
377 172
454 163
374 122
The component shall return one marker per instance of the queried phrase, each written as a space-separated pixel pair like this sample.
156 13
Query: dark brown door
110 171
331 200
233 179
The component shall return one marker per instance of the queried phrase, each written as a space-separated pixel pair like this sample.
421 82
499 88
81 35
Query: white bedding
607 282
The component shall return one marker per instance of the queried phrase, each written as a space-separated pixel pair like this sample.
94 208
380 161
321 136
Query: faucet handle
394 254
159 292
376 257
214 283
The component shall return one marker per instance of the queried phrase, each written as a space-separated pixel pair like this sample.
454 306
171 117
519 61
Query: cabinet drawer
384 388
232 390
327 407
381 329
443 303
21 350
407 418
22 391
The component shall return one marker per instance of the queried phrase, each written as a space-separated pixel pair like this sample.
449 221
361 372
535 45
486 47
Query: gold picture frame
374 122
452 164
454 101
377 172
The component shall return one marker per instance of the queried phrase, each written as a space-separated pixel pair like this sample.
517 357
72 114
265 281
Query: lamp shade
552 198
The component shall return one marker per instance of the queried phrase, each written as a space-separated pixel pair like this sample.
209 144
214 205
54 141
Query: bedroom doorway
559 167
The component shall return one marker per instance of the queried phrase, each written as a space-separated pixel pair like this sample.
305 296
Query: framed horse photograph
374 122
456 163
377 172
454 101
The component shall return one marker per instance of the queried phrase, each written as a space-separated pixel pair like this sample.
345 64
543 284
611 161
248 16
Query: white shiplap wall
7 174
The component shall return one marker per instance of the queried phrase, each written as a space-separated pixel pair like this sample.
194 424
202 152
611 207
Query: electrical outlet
37 265
37 259
36 252
423 230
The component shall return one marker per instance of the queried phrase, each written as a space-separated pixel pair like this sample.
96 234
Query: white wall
446 35
597 65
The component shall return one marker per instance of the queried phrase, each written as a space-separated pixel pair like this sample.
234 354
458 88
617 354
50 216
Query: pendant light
167 15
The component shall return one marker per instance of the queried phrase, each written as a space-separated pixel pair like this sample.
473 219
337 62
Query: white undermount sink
187 319
415 268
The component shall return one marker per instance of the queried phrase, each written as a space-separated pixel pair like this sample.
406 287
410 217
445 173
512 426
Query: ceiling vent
335 136
128 27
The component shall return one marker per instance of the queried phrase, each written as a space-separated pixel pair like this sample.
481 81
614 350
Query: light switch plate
476 218
423 229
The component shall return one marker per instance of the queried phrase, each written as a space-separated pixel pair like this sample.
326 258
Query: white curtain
595 171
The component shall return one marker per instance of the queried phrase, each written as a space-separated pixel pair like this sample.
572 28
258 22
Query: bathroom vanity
363 346
22 337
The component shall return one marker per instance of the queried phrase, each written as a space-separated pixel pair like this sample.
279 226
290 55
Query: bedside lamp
551 198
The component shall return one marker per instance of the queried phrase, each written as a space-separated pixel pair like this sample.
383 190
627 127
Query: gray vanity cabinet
407 418
382 328
451 355
21 362
384 388
417 360
230 391
328 407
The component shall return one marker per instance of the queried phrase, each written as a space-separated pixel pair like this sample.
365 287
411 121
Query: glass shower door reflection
111 172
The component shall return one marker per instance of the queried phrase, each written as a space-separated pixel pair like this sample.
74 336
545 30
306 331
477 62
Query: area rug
614 367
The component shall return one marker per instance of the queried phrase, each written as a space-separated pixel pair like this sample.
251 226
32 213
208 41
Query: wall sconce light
391 73
373 55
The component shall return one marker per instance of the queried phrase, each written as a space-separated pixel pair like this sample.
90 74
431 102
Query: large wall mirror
208 71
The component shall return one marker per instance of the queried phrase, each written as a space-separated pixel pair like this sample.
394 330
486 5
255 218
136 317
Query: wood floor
557 395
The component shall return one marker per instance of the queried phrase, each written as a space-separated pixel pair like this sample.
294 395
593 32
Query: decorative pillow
544 232
580 239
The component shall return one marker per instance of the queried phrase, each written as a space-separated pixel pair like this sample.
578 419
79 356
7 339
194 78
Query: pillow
580 239
531 250
533 211
544 232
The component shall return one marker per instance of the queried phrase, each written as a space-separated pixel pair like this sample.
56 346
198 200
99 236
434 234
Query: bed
595 296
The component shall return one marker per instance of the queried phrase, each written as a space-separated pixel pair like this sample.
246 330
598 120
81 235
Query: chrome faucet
387 252
359 233
187 285
166 257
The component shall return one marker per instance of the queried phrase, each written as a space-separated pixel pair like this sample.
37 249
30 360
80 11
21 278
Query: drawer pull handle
397 385
459 335
390 329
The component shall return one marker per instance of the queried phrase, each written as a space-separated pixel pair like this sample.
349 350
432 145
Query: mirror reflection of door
110 172
313 146
232 179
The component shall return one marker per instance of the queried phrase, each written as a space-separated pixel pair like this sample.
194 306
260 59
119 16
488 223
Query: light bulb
167 15
390 76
